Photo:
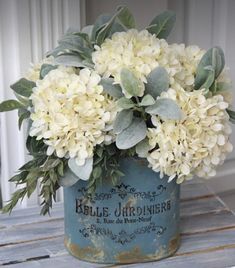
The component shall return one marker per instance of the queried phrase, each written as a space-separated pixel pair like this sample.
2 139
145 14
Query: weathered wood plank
195 191
36 249
214 259
63 261
29 232
30 215
207 222
201 206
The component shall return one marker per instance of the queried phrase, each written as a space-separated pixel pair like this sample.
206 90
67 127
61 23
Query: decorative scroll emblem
122 237
122 190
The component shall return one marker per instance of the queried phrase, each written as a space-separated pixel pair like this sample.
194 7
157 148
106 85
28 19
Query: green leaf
23 114
23 87
122 121
214 59
104 31
132 135
142 148
231 115
31 183
157 82
147 100
82 172
166 109
113 90
125 103
10 105
99 23
88 30
125 17
71 60
131 84
45 69
210 78
162 24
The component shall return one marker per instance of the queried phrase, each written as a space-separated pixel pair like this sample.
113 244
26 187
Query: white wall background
29 28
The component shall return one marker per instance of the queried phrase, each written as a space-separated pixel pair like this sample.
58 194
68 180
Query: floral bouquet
110 91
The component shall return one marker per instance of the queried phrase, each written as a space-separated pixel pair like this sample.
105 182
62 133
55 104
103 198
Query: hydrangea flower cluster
71 113
141 52
197 143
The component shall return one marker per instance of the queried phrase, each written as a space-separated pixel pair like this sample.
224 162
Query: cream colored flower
197 143
140 52
33 73
71 113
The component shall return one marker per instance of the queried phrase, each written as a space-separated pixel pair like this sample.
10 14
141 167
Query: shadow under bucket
136 220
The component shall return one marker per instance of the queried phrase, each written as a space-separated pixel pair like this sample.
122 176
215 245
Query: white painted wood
28 29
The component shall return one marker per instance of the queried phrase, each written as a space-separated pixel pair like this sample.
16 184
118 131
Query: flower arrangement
111 91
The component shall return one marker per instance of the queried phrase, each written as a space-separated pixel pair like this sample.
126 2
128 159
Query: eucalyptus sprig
42 170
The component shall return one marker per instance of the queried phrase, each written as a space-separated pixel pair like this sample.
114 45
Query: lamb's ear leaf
110 88
166 109
82 172
131 84
132 135
162 24
142 148
122 121
69 179
45 69
213 58
157 82
125 17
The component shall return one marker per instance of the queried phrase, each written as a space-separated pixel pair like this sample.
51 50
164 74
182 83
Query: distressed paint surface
135 221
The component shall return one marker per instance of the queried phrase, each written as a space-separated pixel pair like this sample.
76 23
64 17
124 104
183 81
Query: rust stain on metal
174 244
136 255
84 253
132 256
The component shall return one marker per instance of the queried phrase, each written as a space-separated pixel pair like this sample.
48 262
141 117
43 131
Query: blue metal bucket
136 220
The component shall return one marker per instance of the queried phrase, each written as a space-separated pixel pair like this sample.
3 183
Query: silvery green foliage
142 148
110 88
162 24
147 100
131 85
125 103
209 68
82 172
122 121
157 82
166 109
132 135
69 179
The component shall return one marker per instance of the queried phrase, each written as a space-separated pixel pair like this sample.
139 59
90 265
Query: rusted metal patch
136 255
84 253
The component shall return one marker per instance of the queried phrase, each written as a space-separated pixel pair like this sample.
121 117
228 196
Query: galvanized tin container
135 221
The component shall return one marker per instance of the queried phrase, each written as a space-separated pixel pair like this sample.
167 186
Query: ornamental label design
126 206
123 236
122 190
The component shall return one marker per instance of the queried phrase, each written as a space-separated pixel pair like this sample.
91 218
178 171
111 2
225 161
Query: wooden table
28 240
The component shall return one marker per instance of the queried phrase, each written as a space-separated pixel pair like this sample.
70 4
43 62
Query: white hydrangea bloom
141 52
189 58
71 113
33 74
197 143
